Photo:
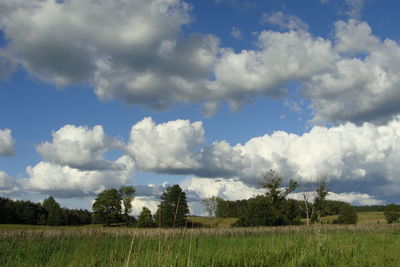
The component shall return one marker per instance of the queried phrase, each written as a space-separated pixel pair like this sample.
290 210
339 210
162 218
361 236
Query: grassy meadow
317 245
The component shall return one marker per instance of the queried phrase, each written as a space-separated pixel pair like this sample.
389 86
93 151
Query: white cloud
353 198
66 182
74 165
354 37
144 201
7 143
129 50
284 21
357 158
79 147
281 57
358 89
137 52
166 147
7 183
229 189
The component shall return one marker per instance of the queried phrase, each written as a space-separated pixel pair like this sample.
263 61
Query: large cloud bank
358 158
361 162
138 52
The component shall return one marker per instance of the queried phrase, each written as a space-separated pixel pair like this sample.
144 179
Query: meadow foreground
318 245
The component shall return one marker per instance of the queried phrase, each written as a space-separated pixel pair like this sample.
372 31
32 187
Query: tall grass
264 246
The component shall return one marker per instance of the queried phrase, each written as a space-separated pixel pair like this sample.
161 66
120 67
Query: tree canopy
127 195
54 211
145 219
173 209
107 207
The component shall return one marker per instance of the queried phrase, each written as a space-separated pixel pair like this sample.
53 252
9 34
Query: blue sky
208 94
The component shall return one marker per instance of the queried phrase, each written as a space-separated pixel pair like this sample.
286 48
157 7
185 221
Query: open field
214 222
321 245
371 217
374 217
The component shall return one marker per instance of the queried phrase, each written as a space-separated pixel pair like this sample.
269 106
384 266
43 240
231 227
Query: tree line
47 213
275 209
114 207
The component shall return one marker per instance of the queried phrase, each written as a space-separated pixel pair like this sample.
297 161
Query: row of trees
114 206
47 213
271 209
274 208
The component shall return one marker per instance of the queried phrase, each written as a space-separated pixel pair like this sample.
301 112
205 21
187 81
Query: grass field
374 217
366 244
323 245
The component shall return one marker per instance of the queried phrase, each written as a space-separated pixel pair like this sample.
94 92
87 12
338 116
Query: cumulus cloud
129 50
144 201
74 165
284 21
137 52
7 143
79 147
64 181
167 147
230 189
355 37
358 89
357 158
354 198
280 57
7 183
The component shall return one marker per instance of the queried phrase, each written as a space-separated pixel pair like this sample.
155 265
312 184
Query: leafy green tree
173 209
127 194
55 214
145 219
210 205
392 213
257 213
107 207
276 195
347 215
232 209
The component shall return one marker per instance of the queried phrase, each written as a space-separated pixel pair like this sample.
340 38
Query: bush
347 215
392 213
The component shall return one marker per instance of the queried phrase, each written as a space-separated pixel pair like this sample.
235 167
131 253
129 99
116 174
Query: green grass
324 245
214 222
371 217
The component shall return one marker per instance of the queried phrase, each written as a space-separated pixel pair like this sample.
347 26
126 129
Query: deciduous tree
107 207
173 209
145 219
127 194
210 205
54 212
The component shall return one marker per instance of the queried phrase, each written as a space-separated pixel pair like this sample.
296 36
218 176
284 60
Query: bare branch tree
307 197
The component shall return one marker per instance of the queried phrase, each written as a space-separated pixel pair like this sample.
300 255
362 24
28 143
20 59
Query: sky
207 94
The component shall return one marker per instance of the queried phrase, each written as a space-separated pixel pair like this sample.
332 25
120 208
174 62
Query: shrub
347 215
392 213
